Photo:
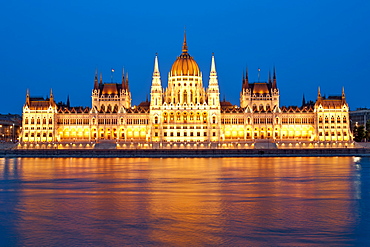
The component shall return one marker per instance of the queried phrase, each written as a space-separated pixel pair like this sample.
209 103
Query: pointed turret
96 83
213 89
274 85
303 101
28 97
246 80
213 67
123 81
156 73
68 102
343 94
156 88
101 79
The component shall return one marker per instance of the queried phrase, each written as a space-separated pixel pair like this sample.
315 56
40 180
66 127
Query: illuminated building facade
186 114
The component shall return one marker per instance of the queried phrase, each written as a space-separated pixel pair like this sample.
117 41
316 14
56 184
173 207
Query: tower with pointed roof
156 88
111 97
213 91
260 96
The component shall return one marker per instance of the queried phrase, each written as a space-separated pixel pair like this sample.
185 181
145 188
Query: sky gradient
59 44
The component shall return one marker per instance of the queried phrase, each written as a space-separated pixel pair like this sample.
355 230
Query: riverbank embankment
164 153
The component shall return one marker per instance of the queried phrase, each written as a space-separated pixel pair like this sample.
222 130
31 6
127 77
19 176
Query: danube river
185 202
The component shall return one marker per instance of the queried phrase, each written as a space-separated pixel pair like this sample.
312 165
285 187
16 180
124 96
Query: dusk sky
58 45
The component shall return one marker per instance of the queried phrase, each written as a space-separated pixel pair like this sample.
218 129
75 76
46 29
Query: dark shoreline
179 153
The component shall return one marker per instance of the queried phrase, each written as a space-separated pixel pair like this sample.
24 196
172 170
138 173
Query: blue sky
59 44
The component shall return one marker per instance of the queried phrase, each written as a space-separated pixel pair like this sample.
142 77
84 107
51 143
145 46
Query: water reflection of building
10 127
186 112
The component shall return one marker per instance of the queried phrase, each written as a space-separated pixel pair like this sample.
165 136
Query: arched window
326 120
332 120
185 97
185 117
155 119
338 119
344 119
254 107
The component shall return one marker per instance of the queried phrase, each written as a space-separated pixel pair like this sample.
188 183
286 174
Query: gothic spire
213 66
96 85
123 78
156 72
246 80
274 85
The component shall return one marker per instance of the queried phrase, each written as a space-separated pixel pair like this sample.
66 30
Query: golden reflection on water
197 201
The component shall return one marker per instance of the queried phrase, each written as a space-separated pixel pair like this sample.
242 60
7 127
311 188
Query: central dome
185 64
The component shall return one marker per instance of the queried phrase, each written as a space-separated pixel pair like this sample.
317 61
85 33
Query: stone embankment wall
159 153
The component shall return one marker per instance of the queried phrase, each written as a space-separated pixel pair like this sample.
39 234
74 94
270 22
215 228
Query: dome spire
184 45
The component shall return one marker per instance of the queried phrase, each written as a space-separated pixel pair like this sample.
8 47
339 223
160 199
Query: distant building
185 113
359 117
10 127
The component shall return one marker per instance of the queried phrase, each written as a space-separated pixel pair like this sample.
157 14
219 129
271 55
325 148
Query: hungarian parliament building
187 114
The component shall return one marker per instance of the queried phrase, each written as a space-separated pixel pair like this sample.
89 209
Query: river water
185 202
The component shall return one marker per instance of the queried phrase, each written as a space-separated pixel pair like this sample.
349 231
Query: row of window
38 128
136 121
297 120
332 119
73 121
185 127
185 134
232 120
332 133
37 134
38 121
331 127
